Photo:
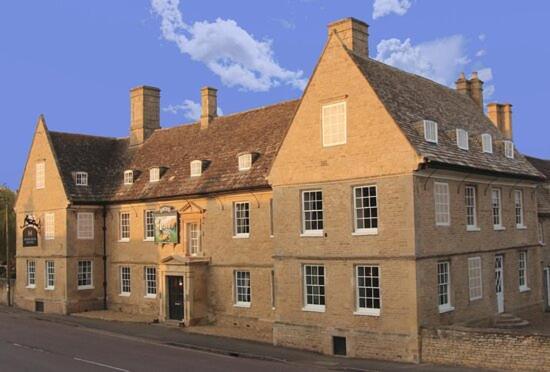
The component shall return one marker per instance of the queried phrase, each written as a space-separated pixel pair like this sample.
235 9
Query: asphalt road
30 344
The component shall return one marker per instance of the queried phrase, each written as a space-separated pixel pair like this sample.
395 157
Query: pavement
49 342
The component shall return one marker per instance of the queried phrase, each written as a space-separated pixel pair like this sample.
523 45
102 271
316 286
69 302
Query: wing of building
378 203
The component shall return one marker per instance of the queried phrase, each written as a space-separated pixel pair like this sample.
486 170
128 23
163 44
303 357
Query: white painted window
522 271
518 206
314 287
312 213
149 223
442 207
462 139
475 278
124 226
367 279
40 174
49 275
49 226
471 207
271 217
196 168
444 286
194 238
540 231
85 274
154 174
430 131
81 178
85 225
334 124
128 177
150 276
242 288
487 143
509 149
496 206
241 219
125 281
365 210
245 162
31 274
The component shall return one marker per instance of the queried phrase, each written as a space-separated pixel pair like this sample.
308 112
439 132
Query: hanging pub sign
30 231
166 226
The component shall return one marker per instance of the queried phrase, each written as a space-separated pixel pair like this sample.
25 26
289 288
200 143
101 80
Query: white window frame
245 162
40 174
475 278
86 275
125 281
85 225
49 275
81 178
487 143
509 149
194 238
31 274
321 305
195 168
540 232
128 177
519 210
49 226
522 271
444 283
242 288
319 232
154 174
338 131
462 139
366 206
470 206
124 226
373 287
442 204
496 206
241 223
150 279
430 131
148 225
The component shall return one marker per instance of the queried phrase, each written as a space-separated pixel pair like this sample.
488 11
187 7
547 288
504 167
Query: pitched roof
410 99
260 131
543 195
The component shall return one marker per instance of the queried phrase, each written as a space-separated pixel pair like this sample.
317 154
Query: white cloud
481 53
285 23
440 60
485 74
488 91
226 49
482 37
191 110
381 8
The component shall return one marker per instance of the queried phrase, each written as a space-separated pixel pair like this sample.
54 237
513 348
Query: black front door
175 297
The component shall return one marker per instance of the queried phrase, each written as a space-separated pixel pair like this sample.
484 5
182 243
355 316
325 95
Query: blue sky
75 61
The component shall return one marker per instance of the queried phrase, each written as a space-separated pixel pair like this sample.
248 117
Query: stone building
342 222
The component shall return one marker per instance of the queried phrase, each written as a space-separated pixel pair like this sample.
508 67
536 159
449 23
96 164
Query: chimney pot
473 88
209 105
501 116
353 33
144 113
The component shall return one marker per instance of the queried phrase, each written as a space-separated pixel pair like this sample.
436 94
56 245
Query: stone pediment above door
191 207
178 259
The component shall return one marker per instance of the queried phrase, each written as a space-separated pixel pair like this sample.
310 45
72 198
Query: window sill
149 239
521 227
79 238
362 232
151 296
475 299
367 312
472 228
445 309
241 236
124 294
31 287
524 289
242 304
83 287
443 224
314 308
49 288
313 234
123 240
499 228
49 238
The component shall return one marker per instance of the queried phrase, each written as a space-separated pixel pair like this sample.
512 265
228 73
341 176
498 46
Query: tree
7 195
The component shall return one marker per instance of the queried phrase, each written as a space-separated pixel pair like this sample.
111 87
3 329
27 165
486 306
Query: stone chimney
209 106
144 113
501 116
353 33
472 88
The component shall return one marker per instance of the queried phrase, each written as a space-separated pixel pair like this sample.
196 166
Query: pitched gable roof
410 99
543 195
260 131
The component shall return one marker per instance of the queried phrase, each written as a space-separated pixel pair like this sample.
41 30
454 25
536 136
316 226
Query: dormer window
128 177
196 168
430 131
81 178
462 140
509 149
154 174
487 143
245 162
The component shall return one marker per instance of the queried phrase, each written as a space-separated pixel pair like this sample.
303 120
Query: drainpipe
104 257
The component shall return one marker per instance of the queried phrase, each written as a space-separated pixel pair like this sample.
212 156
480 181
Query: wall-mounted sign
30 236
166 226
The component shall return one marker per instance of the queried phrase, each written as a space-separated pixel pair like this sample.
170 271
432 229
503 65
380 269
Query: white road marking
101 364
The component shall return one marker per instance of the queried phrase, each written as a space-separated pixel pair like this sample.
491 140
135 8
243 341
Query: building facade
342 222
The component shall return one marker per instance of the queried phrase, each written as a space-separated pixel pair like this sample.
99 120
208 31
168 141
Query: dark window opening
339 345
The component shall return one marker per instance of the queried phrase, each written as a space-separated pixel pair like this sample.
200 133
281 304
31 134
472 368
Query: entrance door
499 282
175 297
547 286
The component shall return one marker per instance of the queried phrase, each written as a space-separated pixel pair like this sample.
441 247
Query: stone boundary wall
4 291
486 348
